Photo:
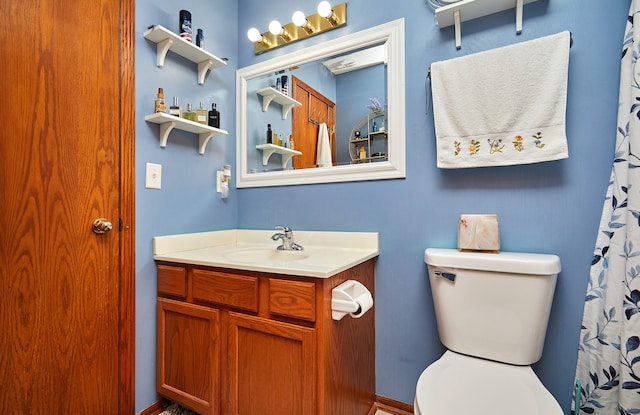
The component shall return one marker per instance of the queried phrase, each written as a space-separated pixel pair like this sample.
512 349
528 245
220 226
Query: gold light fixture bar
318 23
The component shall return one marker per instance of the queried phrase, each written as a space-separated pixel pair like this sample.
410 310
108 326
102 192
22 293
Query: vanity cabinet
235 342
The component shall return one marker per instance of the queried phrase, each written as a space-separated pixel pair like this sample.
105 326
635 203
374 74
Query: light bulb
299 19
324 9
275 27
254 35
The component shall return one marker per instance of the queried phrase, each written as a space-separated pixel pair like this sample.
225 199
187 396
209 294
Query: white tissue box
478 233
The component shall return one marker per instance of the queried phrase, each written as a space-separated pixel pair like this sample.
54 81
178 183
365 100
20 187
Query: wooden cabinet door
189 355
272 367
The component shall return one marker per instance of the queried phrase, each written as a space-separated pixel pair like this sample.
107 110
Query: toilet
492 311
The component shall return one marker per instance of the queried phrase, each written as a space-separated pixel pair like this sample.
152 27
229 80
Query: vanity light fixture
328 18
300 20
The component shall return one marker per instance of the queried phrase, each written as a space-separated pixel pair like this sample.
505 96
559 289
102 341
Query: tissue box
479 233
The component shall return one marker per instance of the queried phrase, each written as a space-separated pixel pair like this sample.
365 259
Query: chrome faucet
287 239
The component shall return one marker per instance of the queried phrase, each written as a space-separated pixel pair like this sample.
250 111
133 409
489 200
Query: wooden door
189 355
66 159
272 367
315 109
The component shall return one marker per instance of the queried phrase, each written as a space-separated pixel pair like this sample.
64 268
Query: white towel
503 106
323 155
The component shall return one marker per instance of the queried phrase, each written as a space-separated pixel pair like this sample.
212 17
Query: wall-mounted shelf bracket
519 7
269 149
271 94
168 122
456 13
162 48
203 67
458 29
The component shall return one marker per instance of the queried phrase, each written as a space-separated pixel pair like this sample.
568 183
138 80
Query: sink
263 255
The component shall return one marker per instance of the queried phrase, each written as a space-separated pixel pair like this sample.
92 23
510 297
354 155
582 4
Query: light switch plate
154 176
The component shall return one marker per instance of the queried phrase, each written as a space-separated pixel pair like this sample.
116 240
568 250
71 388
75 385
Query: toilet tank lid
513 262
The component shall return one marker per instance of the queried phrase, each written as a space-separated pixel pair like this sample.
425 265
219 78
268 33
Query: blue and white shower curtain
608 365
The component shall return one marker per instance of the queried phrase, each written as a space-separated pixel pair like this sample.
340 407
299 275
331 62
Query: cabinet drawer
172 281
232 290
292 299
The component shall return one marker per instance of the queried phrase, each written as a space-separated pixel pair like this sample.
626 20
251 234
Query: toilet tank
494 306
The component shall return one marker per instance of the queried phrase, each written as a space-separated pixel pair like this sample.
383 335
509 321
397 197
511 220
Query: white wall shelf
166 40
461 11
168 122
271 94
269 149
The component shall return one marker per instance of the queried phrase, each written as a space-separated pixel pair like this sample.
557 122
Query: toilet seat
457 384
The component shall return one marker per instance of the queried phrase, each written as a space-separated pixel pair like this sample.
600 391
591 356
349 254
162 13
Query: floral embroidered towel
503 106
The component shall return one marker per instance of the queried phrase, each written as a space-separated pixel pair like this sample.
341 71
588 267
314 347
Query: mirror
361 104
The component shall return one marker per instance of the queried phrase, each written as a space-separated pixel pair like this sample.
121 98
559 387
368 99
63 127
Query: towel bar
570 45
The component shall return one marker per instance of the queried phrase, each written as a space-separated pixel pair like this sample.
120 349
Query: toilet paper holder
350 297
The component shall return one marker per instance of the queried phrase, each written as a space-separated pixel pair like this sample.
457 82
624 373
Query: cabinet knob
102 225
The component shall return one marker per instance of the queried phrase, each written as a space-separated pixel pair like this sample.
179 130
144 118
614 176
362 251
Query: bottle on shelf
269 134
214 116
201 114
200 39
291 143
278 86
189 114
175 108
284 85
185 25
161 105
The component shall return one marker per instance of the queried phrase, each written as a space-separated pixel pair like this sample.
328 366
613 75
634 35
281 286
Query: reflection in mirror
330 113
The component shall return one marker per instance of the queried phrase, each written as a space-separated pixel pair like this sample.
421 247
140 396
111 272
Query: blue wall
549 207
188 201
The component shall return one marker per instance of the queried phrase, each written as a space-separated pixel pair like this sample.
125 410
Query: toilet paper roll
365 302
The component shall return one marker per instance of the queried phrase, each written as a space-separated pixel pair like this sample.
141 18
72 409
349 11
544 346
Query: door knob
102 225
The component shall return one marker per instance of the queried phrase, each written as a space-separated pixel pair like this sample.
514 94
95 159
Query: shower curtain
608 368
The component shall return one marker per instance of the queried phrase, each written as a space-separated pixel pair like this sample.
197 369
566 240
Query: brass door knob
102 225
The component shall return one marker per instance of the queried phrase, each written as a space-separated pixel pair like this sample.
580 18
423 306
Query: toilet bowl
492 312
459 385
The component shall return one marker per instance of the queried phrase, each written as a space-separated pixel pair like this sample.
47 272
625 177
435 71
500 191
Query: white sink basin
325 253
259 255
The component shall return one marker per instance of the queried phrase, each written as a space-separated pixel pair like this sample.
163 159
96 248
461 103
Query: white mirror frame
392 35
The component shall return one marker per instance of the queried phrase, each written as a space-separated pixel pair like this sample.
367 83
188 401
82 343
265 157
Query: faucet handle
284 229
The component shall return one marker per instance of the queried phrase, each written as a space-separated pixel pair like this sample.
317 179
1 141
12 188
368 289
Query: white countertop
325 253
